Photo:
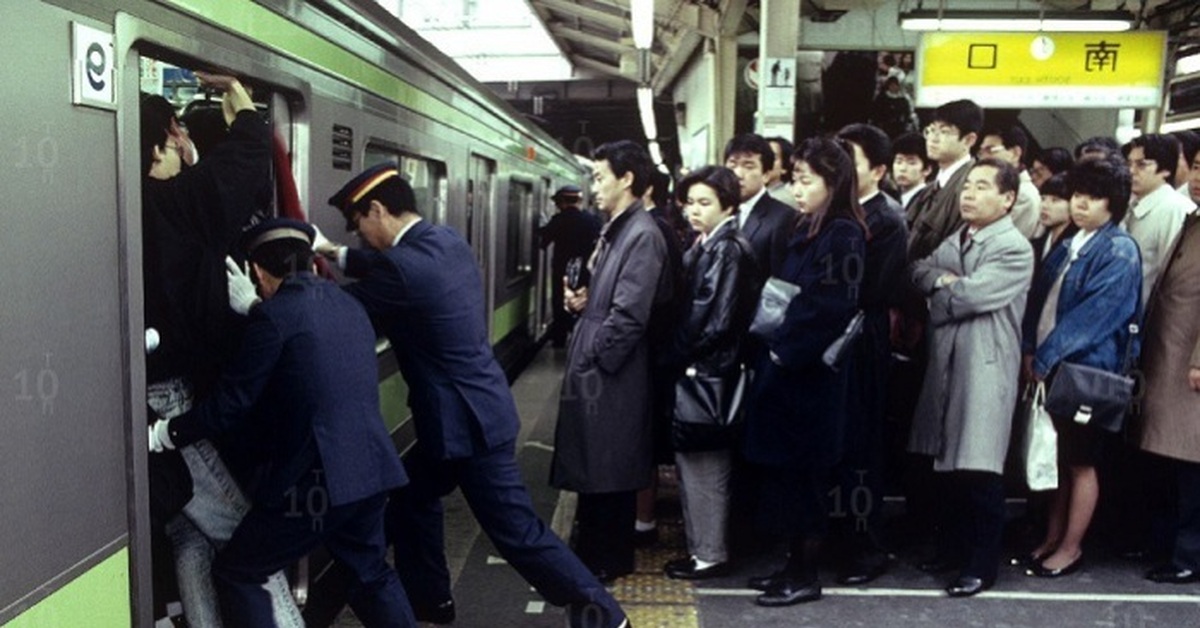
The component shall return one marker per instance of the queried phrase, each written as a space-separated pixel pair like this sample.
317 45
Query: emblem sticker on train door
92 67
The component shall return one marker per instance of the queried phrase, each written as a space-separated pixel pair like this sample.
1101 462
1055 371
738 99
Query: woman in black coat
796 411
720 277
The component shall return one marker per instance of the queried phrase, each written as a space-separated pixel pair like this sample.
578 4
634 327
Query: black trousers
972 521
269 539
1187 534
492 485
604 531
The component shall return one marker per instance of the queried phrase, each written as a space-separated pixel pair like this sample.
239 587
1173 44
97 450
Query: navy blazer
768 228
307 368
426 295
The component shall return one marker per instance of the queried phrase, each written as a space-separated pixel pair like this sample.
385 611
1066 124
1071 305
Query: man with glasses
1156 217
933 215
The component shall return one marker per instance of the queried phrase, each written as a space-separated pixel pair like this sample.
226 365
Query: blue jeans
208 521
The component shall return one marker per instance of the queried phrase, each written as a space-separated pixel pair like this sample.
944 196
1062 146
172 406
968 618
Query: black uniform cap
568 191
277 229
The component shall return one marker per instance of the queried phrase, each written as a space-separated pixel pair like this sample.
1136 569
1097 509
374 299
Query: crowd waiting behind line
674 356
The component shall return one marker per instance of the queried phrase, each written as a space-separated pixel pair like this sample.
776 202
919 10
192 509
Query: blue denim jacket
1100 297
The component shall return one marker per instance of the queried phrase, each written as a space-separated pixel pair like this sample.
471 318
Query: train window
426 176
519 241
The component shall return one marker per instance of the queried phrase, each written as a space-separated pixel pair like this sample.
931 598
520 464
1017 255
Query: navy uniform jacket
308 369
426 295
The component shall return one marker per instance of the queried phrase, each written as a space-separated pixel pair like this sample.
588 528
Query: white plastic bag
1039 444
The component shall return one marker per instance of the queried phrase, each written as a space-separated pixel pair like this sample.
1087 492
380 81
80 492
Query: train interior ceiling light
1054 21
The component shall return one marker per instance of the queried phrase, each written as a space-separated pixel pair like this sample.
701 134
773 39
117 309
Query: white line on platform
537 444
993 595
496 560
535 608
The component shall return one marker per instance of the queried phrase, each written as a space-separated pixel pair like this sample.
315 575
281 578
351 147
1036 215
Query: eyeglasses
1142 164
352 220
939 129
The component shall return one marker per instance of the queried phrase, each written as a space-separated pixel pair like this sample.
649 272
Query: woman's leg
1056 521
1085 492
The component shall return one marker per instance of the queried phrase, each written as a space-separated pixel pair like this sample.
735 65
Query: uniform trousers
270 538
491 483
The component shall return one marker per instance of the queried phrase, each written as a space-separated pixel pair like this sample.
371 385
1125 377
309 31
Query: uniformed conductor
307 373
421 286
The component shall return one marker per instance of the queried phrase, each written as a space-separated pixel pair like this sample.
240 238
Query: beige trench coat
1169 423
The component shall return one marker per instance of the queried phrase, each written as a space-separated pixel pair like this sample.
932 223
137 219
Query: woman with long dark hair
796 410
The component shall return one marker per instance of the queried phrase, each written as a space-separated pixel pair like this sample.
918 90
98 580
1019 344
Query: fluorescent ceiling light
645 98
656 153
641 15
1053 21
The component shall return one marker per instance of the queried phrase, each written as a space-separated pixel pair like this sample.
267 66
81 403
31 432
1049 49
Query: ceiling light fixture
1053 21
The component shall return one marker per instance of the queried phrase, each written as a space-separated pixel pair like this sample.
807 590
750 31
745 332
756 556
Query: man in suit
421 286
934 215
1009 144
976 282
573 233
603 438
910 167
306 376
765 221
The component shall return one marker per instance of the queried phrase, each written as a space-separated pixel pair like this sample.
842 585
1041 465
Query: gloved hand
324 246
160 437
242 294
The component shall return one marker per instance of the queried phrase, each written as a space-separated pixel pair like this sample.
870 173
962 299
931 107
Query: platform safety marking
535 608
1149 598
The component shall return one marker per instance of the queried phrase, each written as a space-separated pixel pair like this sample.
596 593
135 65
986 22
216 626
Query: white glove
242 295
160 437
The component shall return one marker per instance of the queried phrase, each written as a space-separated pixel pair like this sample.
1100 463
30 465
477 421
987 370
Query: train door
426 176
480 202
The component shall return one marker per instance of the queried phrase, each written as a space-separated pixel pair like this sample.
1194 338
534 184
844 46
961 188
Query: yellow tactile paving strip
650 599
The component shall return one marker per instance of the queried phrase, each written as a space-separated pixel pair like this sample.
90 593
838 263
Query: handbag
1093 396
706 406
1039 442
772 305
835 354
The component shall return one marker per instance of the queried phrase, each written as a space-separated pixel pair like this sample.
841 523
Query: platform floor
1108 592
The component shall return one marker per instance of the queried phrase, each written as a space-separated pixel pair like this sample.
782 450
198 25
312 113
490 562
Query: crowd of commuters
935 258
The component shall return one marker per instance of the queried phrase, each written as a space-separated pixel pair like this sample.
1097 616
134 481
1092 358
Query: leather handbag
835 354
706 406
1093 396
776 295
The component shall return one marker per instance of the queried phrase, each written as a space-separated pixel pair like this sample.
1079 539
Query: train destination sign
1042 70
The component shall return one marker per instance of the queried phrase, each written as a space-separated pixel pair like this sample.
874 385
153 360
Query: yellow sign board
1042 69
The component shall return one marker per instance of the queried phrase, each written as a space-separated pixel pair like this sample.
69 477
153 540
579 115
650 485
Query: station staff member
306 373
423 289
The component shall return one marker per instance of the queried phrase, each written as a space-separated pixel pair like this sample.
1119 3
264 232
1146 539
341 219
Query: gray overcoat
602 442
1169 424
964 414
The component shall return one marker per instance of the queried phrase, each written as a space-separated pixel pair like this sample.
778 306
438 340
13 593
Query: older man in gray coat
602 442
975 282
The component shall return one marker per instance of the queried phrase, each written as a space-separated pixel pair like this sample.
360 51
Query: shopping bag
1039 443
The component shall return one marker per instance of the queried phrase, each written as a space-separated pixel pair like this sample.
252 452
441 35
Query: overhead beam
615 22
595 41
599 66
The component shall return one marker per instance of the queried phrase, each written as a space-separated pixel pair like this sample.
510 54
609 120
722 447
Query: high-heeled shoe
1039 570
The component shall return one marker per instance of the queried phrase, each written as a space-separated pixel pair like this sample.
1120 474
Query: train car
346 86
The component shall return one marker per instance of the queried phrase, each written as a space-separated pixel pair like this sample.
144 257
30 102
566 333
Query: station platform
1108 592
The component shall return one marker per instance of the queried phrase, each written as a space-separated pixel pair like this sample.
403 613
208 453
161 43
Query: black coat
797 408
573 233
720 282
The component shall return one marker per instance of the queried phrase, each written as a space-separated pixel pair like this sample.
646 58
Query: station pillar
779 37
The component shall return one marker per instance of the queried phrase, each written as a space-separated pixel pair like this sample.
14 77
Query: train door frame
544 307
482 175
186 39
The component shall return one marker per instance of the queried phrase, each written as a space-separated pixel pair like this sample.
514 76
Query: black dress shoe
1170 574
442 613
863 570
966 586
762 583
685 569
645 538
787 591
1039 570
